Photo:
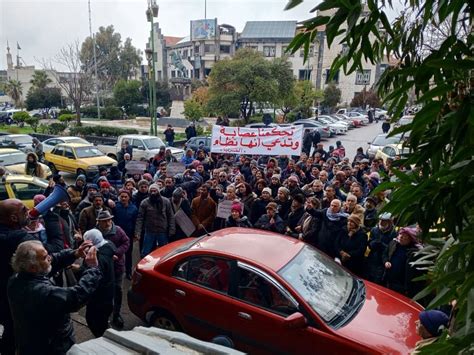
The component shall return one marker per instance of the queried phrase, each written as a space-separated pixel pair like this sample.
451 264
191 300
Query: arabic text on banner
259 141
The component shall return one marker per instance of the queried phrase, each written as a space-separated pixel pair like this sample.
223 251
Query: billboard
203 29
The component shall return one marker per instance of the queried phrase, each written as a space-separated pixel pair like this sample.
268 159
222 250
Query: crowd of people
324 198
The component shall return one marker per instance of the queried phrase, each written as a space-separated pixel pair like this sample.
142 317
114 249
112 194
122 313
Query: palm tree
40 79
14 89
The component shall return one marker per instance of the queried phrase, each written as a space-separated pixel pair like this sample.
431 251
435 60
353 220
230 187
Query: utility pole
95 61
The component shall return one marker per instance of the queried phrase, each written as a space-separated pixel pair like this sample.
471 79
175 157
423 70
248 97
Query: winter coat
169 135
185 206
329 231
138 197
203 212
75 195
283 208
41 310
310 227
354 246
248 202
126 217
258 209
121 242
87 218
104 294
264 223
153 221
82 205
378 244
243 222
294 219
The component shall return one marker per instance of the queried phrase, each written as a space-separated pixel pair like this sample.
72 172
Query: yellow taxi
78 158
22 187
392 151
14 160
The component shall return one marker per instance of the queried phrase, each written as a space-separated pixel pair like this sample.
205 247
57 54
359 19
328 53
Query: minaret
9 58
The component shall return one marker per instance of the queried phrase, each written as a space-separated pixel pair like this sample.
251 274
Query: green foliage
56 128
163 93
114 60
43 98
64 111
439 196
102 131
305 97
291 116
33 122
40 80
14 89
112 113
364 98
239 83
66 118
20 116
127 93
332 96
138 110
193 110
90 111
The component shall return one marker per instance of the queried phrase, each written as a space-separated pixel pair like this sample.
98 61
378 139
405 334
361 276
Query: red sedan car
269 294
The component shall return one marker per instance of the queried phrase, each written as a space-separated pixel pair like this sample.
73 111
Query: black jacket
329 231
41 310
105 291
264 223
355 246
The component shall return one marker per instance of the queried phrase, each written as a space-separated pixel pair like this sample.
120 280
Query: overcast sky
43 27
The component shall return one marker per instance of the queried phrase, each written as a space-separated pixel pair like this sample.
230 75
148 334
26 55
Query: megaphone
58 195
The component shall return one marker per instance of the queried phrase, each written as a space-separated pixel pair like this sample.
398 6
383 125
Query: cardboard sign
135 167
184 222
175 168
224 208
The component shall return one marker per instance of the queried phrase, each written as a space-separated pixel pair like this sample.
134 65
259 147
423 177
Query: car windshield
77 140
153 143
88 152
326 286
384 140
12 158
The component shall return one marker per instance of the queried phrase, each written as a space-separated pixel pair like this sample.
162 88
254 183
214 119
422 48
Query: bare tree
77 81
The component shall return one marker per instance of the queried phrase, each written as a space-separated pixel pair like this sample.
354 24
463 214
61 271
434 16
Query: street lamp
152 12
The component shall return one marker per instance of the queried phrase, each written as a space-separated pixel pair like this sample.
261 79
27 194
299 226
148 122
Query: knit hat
125 191
81 177
433 321
142 182
356 219
284 190
104 184
276 176
386 216
293 178
409 231
273 206
154 186
178 192
195 164
148 177
267 189
96 237
38 198
92 186
236 206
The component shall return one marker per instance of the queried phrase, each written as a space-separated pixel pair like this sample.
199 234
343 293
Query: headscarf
96 237
335 216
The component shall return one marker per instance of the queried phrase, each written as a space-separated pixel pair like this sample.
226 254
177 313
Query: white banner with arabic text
258 141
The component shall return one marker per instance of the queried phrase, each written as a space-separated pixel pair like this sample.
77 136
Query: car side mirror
141 148
295 321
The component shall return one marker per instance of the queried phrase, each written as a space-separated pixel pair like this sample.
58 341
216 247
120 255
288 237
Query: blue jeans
151 240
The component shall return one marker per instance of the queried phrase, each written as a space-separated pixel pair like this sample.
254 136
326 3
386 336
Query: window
310 52
269 51
3 192
206 271
335 79
196 49
389 151
363 77
58 151
53 142
261 292
68 153
225 49
173 74
24 191
304 74
138 144
185 53
209 48
284 52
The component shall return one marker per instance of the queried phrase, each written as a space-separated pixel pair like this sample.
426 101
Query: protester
33 166
429 327
204 211
351 244
87 218
236 219
169 135
41 310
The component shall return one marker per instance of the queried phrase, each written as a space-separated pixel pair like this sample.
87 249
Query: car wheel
81 172
54 171
164 320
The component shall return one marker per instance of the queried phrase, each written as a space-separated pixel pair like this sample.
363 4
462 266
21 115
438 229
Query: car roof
9 150
65 138
137 136
269 249
74 145
24 178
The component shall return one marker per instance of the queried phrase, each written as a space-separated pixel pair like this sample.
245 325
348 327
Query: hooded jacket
153 220
121 242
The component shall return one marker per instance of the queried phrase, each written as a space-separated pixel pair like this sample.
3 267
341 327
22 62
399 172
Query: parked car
78 158
380 114
21 187
404 121
361 117
260 125
356 122
392 151
143 147
201 142
380 141
22 142
270 294
50 143
339 127
14 161
311 123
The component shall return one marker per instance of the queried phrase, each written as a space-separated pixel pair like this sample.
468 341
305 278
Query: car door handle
244 315
180 292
